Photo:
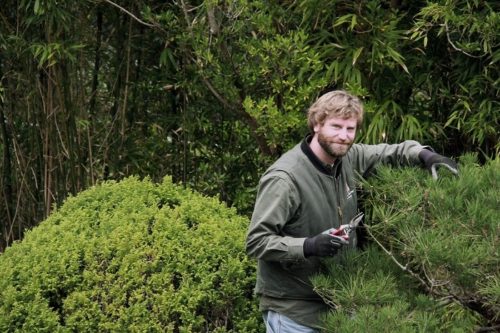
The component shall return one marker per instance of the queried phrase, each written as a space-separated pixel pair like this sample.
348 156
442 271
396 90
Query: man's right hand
323 245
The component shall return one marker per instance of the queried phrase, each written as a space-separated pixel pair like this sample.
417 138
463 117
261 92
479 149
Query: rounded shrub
131 256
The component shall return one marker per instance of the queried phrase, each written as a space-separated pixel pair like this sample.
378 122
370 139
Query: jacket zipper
339 209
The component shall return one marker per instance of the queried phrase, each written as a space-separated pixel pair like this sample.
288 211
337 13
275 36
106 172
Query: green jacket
300 197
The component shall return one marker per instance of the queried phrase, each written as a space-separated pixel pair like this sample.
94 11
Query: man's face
336 135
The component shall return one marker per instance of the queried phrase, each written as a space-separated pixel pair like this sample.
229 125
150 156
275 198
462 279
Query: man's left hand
433 161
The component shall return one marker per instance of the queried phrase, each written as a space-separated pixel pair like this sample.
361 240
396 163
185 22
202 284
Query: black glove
323 245
433 160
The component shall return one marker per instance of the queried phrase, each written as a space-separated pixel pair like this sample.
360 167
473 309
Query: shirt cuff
415 155
295 247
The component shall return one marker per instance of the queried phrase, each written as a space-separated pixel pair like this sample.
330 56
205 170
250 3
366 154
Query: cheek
329 132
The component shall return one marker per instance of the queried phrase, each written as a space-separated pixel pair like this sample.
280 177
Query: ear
316 128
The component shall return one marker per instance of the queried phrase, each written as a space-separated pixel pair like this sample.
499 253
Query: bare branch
212 22
494 328
157 26
455 47
129 13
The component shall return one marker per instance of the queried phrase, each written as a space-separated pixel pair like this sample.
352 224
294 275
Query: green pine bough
431 263
131 256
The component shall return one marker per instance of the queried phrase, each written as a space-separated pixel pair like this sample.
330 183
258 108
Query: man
310 189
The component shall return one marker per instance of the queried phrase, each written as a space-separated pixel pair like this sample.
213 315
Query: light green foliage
433 264
131 256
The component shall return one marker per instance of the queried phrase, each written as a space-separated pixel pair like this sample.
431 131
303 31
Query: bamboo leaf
344 19
354 21
356 55
397 57
36 7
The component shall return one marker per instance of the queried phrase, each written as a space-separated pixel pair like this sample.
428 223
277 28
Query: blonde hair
337 103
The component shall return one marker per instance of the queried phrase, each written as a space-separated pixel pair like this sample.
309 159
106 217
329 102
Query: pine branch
393 258
494 328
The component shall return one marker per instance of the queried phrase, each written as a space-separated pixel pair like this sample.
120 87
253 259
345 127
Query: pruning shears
345 229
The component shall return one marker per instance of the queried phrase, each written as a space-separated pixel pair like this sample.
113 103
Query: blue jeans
278 323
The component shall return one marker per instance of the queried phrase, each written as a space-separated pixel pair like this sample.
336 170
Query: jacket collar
331 170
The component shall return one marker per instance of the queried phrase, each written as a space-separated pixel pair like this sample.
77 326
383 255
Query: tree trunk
97 64
7 192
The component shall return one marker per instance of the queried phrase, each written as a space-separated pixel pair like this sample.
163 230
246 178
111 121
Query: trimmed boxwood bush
131 256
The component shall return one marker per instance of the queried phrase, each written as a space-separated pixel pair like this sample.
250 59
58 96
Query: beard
333 148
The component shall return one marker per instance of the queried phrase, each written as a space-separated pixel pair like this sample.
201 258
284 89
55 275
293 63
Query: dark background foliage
210 92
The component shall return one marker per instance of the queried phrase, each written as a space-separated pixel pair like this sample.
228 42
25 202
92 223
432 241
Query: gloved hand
433 160
323 245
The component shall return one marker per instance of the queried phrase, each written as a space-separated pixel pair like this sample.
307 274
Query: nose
343 134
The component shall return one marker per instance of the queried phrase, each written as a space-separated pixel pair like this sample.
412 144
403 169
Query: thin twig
494 328
155 25
455 47
403 267
130 14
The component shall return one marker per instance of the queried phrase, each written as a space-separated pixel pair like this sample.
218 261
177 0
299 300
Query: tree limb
455 47
155 25
129 13
393 258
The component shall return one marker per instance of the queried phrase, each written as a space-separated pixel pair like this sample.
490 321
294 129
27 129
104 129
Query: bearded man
309 190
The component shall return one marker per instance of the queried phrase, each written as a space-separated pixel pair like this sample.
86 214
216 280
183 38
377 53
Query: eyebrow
337 124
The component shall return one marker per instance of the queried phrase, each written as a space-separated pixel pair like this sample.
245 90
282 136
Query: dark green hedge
131 256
